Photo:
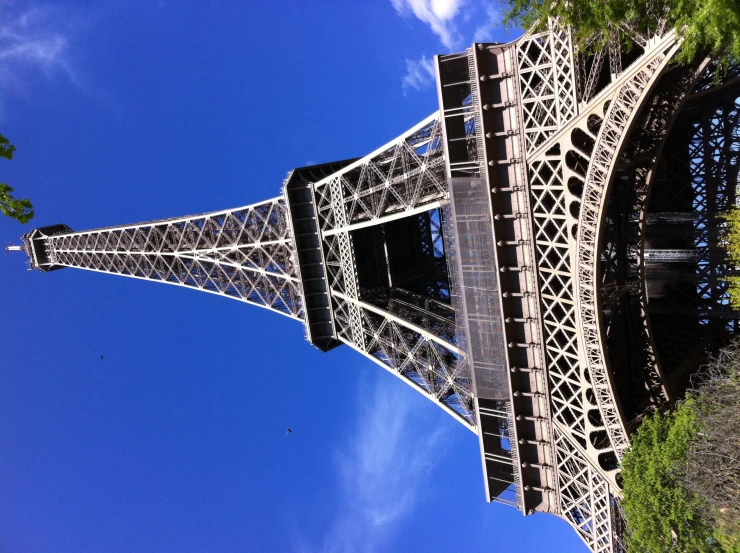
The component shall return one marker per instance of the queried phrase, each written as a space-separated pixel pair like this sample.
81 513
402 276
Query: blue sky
175 442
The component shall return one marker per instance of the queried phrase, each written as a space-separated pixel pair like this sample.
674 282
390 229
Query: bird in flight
288 432
101 357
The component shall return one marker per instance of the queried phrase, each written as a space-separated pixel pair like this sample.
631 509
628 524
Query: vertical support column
347 260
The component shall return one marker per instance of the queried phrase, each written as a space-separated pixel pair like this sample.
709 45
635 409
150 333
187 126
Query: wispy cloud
36 41
419 74
383 468
456 23
484 33
438 14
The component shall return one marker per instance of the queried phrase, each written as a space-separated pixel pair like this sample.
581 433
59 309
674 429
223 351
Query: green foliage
6 148
728 539
732 245
706 26
20 210
682 475
712 468
661 516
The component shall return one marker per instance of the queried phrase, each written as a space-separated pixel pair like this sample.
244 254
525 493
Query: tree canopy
19 209
706 26
732 246
661 515
711 471
682 474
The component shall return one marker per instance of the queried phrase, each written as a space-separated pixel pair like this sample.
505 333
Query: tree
706 26
20 210
682 474
732 245
711 470
661 516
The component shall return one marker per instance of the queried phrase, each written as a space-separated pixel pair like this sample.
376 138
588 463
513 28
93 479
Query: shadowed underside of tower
540 257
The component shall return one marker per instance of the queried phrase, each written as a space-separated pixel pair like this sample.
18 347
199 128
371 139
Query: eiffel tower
539 258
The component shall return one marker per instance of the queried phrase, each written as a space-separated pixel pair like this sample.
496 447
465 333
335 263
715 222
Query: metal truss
585 497
406 334
404 177
500 154
546 82
630 341
591 72
714 154
570 165
558 175
698 178
574 117
245 254
413 340
670 256
437 285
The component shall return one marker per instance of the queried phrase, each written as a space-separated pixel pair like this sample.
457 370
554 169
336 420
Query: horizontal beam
386 219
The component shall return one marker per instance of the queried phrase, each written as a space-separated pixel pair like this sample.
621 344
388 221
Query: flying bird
101 357
288 432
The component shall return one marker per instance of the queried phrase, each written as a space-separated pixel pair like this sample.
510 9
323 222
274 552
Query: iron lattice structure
540 258
245 253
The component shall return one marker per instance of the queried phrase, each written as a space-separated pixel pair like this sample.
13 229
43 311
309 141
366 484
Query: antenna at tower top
14 248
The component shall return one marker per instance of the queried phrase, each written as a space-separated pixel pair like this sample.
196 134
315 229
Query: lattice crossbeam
413 343
585 499
407 174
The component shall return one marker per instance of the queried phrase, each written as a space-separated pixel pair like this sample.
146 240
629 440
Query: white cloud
438 14
35 41
384 468
456 23
419 74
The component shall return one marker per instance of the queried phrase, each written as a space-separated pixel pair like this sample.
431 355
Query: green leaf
6 148
706 26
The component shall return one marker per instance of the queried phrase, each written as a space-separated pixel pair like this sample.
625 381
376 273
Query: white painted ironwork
547 83
417 355
585 495
244 253
401 179
669 256
402 176
617 123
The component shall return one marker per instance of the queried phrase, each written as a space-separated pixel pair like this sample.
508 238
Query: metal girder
585 497
418 355
617 123
546 82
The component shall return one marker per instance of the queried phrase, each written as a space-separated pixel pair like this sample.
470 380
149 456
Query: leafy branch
19 209
706 26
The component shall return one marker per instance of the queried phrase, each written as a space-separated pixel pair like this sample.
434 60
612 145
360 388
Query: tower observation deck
540 257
